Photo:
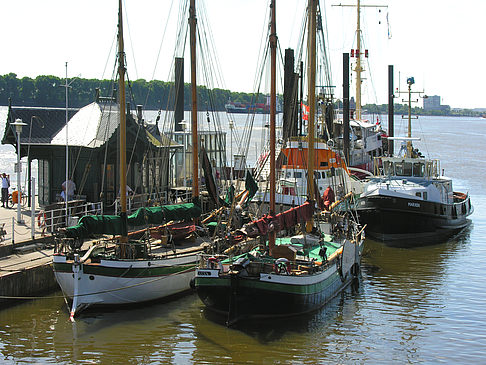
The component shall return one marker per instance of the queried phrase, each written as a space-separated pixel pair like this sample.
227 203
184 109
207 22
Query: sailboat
121 271
409 202
366 142
291 275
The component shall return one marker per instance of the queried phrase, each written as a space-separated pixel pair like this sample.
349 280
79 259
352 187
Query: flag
250 185
305 112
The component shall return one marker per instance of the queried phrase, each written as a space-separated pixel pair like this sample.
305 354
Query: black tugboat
409 203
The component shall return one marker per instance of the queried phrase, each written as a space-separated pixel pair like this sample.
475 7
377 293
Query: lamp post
18 128
231 126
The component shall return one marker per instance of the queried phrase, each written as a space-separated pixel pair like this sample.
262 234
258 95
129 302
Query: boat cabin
408 167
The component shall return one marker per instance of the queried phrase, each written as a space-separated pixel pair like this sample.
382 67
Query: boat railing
51 219
135 201
257 267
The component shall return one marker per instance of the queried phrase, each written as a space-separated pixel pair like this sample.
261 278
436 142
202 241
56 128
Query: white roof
90 126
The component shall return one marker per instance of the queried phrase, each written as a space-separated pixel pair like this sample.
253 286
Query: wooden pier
25 262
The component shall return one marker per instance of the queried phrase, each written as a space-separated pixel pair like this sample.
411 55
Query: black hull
239 298
406 222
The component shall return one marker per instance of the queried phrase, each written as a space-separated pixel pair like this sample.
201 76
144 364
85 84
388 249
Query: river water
421 305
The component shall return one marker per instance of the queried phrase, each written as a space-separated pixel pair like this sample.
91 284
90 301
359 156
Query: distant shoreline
367 111
44 91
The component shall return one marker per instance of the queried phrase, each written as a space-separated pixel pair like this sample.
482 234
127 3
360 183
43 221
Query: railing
53 219
136 201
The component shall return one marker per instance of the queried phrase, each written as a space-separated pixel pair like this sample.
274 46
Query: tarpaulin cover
113 224
95 224
158 215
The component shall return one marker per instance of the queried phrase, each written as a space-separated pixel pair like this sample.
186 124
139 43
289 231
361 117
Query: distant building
432 102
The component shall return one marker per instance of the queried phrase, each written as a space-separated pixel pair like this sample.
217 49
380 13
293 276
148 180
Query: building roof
91 126
42 124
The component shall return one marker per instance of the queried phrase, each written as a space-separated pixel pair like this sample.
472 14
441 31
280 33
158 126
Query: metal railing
136 201
53 219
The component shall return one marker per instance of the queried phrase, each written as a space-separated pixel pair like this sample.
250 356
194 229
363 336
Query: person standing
68 188
5 185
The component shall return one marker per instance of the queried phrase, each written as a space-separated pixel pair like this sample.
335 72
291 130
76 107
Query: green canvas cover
95 224
159 215
113 224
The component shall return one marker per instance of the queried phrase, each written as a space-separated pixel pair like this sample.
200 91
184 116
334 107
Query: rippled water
425 305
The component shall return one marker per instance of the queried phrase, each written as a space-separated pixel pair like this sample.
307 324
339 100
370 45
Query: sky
438 42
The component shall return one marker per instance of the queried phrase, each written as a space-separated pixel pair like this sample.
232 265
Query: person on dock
68 188
5 185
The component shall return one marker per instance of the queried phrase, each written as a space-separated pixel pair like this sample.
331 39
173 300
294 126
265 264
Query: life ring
282 266
41 219
214 263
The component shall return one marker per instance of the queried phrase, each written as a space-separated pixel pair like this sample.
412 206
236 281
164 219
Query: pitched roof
91 126
42 124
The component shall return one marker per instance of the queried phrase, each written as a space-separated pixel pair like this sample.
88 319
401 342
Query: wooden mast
311 71
358 68
195 172
122 111
273 97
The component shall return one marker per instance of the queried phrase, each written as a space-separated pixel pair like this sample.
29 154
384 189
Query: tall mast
192 24
410 82
311 71
123 127
273 96
358 68
66 86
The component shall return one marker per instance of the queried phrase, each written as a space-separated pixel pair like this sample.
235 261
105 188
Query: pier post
13 231
32 205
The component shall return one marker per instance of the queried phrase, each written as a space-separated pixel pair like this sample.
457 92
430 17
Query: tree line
48 91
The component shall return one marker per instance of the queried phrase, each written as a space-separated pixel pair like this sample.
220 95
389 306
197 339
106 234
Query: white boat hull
123 282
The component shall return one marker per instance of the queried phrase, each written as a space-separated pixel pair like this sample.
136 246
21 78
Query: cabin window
388 168
418 194
317 175
298 175
288 175
324 164
288 191
425 195
403 168
418 169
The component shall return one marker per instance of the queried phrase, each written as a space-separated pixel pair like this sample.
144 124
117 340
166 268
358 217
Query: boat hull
270 295
112 282
399 221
